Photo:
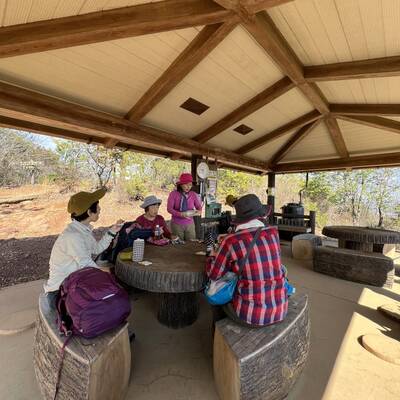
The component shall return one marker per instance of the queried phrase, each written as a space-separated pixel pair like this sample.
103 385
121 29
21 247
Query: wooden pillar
312 221
271 195
194 173
196 188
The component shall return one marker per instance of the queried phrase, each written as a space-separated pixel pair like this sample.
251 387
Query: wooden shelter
258 85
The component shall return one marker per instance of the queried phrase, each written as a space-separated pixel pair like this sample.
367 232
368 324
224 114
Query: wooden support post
271 196
196 188
312 221
193 169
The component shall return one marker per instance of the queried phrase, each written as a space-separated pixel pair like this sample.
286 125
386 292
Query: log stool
303 246
353 265
261 363
93 369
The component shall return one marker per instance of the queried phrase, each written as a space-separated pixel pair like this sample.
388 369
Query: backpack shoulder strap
243 261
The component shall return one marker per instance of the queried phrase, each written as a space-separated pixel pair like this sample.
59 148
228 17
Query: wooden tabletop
174 269
362 234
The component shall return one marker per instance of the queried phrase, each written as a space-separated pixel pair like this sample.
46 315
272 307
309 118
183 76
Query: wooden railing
303 224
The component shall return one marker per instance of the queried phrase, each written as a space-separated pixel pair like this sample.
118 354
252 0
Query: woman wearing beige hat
75 246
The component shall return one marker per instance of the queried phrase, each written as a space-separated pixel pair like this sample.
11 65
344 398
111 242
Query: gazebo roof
258 85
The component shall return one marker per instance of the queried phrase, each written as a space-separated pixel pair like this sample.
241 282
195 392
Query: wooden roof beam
26 105
365 109
282 130
202 45
292 142
251 6
373 68
336 136
260 100
109 25
271 40
376 122
41 129
369 161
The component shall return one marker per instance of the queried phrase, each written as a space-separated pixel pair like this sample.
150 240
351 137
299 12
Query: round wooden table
176 273
363 239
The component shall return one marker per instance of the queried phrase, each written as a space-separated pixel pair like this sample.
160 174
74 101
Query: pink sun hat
185 178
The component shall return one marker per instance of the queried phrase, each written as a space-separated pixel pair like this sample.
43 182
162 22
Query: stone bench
303 246
93 369
353 265
261 363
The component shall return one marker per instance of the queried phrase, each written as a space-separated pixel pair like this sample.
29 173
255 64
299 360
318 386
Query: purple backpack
90 303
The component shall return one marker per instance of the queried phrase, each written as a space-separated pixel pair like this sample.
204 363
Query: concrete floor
177 364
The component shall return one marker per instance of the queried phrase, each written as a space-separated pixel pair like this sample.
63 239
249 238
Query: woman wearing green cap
75 246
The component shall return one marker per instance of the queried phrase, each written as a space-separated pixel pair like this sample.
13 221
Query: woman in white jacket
75 246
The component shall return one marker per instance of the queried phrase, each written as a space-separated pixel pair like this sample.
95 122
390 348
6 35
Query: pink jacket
174 200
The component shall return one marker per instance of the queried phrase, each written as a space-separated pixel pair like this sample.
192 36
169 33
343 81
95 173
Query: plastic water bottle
138 250
157 232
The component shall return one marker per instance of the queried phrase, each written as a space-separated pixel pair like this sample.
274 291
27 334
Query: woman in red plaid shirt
260 298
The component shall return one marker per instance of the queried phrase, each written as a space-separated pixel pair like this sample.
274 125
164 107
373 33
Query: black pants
221 312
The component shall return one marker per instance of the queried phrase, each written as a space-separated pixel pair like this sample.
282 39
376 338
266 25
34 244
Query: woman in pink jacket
183 204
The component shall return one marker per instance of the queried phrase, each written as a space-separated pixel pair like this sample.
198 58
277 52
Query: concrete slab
17 322
177 364
18 307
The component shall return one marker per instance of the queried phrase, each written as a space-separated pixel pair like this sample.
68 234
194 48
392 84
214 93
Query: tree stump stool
303 246
261 363
93 369
357 266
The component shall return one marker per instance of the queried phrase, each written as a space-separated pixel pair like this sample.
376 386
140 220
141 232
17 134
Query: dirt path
28 229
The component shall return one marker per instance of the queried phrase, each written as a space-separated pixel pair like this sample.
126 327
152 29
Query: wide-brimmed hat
150 201
185 178
80 202
249 207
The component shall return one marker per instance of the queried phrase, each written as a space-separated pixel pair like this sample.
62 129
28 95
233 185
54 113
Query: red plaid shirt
260 298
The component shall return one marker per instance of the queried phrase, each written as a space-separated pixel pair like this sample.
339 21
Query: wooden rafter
369 161
206 41
282 130
365 109
271 40
29 106
292 142
336 136
109 25
254 104
28 126
250 6
255 6
373 121
377 67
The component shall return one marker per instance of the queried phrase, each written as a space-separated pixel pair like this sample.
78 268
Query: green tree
23 161
384 189
98 162
239 183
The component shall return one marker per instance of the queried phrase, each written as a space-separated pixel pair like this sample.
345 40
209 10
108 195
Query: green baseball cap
81 202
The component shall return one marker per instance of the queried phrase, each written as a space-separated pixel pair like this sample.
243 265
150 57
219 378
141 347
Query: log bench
261 363
353 265
93 369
